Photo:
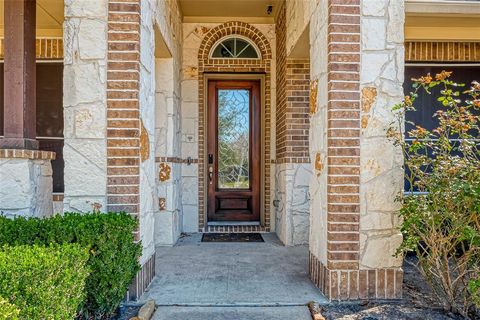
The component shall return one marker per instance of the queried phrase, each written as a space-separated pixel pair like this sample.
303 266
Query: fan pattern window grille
235 48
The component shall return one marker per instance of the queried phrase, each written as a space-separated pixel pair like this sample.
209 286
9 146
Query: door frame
235 76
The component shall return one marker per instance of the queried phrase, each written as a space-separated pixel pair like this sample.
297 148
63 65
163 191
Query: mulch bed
416 304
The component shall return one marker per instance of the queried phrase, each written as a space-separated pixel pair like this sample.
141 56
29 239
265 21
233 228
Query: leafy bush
8 311
441 223
109 238
44 282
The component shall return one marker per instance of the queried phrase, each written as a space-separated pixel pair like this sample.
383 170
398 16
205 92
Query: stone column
26 183
25 173
85 62
357 59
381 172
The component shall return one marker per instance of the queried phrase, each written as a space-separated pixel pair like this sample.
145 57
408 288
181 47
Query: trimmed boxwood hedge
43 282
8 311
114 254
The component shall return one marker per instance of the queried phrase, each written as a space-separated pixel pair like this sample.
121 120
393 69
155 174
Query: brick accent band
175 160
417 51
235 229
356 284
46 48
26 154
343 138
123 112
142 280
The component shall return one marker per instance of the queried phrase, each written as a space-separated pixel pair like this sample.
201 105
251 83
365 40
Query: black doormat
232 237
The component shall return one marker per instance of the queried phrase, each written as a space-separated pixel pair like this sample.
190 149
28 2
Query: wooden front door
234 150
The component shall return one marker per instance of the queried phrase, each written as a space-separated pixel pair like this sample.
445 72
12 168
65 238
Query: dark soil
125 313
417 303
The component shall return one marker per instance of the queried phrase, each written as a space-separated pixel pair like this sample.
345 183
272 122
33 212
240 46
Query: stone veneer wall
26 183
381 172
292 168
197 41
357 59
169 216
109 101
85 104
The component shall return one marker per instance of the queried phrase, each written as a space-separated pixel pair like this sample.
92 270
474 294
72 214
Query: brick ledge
357 283
26 154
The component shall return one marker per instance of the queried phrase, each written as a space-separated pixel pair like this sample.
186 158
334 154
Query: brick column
123 115
128 144
347 260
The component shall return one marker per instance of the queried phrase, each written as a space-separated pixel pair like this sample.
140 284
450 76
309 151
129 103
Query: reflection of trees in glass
233 138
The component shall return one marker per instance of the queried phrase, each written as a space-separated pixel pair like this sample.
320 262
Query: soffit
436 7
254 11
50 17
436 28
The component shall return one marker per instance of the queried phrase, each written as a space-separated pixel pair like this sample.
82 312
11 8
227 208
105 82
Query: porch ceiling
438 28
49 17
254 11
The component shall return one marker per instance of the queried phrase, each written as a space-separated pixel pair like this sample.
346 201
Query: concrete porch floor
198 280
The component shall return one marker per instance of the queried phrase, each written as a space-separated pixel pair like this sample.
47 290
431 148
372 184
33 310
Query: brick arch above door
240 66
233 28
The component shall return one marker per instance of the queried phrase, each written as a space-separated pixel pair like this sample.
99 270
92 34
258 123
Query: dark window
427 104
235 47
49 115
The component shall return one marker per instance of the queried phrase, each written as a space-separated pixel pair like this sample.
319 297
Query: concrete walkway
198 280
232 313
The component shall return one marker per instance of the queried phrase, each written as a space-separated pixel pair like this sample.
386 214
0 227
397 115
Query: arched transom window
235 47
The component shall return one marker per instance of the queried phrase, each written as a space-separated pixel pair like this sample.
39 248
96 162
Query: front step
237 313
235 228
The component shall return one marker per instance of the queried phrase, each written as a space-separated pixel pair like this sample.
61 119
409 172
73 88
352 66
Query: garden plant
441 209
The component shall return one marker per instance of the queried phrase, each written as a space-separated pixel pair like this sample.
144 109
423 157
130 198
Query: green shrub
441 224
109 238
44 282
8 311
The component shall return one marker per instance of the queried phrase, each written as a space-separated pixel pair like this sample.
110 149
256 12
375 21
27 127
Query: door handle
210 174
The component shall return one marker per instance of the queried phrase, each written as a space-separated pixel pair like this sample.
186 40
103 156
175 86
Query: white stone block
190 190
90 121
83 83
372 66
92 39
190 90
85 167
374 7
396 20
86 8
373 34
58 207
26 187
190 218
379 251
374 220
